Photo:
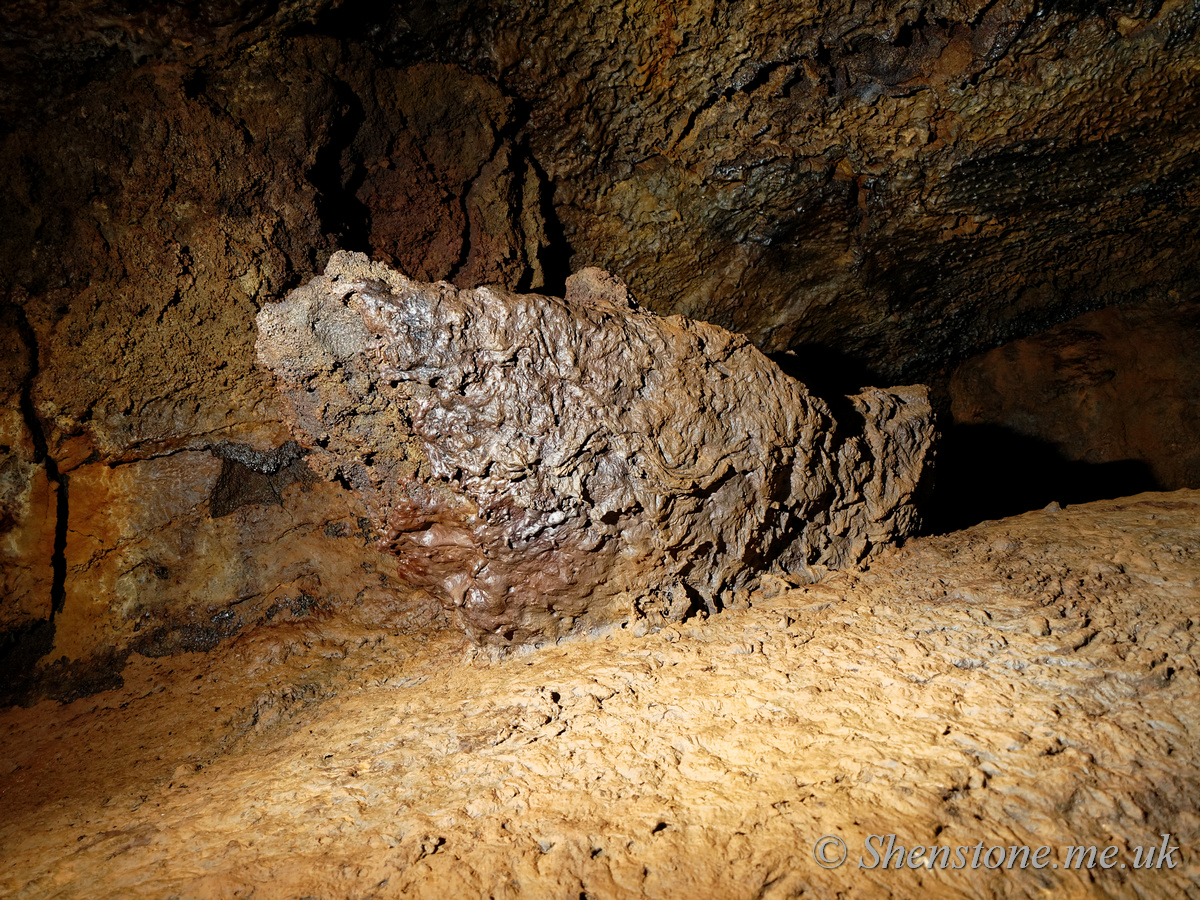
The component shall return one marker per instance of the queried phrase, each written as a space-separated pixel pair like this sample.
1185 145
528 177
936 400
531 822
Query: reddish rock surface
136 283
1113 386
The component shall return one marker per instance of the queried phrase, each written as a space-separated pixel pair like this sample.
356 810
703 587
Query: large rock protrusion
542 463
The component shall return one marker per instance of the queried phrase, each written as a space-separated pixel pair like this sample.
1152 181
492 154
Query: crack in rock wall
150 223
541 463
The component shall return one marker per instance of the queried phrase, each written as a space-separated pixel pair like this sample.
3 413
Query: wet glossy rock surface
543 462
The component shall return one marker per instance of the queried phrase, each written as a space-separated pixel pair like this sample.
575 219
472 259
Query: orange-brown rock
1111 392
1025 682
543 462
29 496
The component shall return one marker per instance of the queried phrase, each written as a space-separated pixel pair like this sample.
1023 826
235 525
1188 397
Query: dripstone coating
543 464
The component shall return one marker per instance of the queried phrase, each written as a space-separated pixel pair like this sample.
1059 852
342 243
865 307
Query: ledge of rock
542 464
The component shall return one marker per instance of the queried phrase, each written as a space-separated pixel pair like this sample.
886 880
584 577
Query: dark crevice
556 255
195 84
22 647
904 37
118 463
28 413
343 215
981 13
465 252
174 301
695 114
58 559
828 374
762 74
747 82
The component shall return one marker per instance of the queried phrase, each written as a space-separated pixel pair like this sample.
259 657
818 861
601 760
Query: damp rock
543 464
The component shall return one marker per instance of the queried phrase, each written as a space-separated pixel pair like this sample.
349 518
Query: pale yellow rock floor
1027 682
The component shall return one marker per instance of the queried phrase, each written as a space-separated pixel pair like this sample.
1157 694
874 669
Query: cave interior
226 672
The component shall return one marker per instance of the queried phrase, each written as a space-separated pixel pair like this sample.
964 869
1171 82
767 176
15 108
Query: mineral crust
544 464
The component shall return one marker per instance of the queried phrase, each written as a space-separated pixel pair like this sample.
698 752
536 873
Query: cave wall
885 191
1115 385
143 446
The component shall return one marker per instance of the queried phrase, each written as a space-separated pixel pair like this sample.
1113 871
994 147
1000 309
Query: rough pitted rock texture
903 184
907 183
28 493
148 498
1031 681
581 457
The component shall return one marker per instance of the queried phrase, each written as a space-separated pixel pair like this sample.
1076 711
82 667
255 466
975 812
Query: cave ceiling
894 185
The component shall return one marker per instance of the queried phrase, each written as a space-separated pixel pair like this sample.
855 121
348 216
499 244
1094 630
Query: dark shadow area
825 371
251 478
555 257
403 34
987 472
337 179
981 472
830 375
20 649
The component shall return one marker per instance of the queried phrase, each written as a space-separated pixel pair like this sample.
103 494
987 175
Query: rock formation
886 189
540 462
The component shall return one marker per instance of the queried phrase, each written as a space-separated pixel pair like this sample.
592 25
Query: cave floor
1032 681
